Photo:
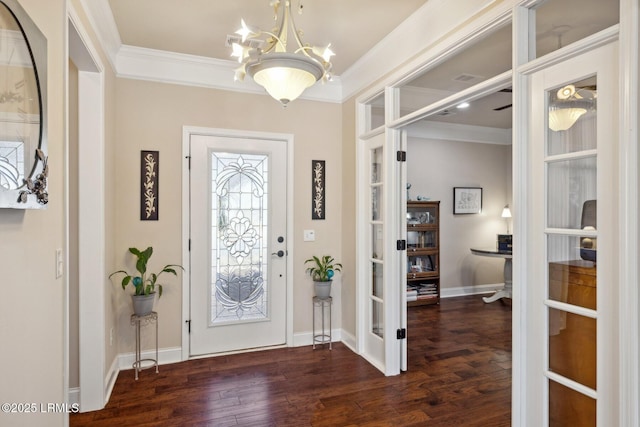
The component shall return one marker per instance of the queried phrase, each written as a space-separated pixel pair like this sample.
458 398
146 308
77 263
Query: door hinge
401 334
401 156
189 160
401 245
188 322
189 245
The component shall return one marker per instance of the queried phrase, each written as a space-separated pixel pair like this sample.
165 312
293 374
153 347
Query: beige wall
32 304
150 116
433 168
349 216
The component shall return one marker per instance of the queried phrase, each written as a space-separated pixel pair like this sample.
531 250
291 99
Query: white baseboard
306 338
165 356
470 290
110 380
74 396
349 340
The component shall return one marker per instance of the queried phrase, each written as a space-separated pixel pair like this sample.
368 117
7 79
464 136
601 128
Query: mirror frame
33 194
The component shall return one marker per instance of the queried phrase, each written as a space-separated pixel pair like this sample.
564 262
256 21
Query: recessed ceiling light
463 105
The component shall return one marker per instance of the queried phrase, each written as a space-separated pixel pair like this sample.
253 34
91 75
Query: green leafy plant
322 269
145 283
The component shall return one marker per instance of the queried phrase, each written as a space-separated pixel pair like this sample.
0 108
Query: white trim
301 339
91 214
101 20
73 396
522 26
349 340
585 45
187 131
166 356
487 87
462 291
110 378
629 159
191 70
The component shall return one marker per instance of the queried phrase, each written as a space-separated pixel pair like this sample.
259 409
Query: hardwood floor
459 374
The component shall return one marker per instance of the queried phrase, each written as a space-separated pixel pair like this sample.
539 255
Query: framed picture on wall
467 200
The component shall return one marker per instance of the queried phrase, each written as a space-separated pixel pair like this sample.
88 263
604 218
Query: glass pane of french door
377 242
571 200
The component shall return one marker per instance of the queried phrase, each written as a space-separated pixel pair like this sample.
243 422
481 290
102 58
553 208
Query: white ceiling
200 27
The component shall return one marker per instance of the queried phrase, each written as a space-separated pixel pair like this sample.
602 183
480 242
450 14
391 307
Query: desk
505 292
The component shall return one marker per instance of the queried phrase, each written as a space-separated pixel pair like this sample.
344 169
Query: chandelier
568 107
284 73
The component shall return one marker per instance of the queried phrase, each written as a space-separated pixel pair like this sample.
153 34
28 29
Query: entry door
571 286
238 252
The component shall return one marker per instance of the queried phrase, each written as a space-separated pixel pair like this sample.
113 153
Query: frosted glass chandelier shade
285 76
564 118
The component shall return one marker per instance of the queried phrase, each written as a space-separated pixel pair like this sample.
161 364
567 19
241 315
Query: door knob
279 253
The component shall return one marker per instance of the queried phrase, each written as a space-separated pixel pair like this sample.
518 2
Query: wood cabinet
423 253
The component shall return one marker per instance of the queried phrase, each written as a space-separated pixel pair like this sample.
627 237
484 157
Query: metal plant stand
140 363
324 336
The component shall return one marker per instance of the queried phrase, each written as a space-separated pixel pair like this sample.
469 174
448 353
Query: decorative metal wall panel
239 226
149 171
318 176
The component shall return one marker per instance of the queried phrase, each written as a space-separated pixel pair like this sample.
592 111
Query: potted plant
322 271
143 282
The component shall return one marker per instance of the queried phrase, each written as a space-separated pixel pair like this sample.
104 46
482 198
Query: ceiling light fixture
463 105
284 73
569 105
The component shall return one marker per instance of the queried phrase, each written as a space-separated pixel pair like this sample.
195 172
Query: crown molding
101 20
192 70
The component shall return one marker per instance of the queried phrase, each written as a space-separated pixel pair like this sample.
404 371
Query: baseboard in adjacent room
470 290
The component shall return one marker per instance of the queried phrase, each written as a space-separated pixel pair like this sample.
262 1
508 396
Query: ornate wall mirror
23 91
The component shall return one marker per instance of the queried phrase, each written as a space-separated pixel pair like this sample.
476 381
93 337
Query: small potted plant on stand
144 283
322 271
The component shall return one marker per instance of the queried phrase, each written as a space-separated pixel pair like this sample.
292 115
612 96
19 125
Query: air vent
468 78
235 38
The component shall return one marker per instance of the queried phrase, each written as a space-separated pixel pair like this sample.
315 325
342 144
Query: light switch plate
309 235
59 264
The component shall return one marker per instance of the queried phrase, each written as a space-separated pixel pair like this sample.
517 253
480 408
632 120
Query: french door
382 300
238 257
571 286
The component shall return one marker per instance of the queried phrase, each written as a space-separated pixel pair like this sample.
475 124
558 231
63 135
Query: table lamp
506 214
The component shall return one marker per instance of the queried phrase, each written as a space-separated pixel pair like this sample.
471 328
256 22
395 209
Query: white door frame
91 215
187 131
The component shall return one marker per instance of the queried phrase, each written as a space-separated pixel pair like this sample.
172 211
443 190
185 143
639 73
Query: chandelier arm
305 50
293 27
277 41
